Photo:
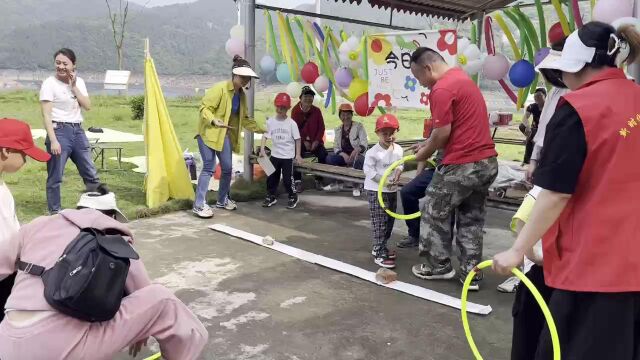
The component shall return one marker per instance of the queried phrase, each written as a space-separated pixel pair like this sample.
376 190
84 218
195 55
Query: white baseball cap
244 70
97 201
574 56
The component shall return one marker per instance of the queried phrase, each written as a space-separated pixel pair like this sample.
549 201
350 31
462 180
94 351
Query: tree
118 25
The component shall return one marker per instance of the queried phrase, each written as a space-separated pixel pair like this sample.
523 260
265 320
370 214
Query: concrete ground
260 304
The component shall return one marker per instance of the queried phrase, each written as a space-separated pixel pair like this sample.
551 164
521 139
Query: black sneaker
408 242
475 283
382 259
292 203
426 272
391 253
269 201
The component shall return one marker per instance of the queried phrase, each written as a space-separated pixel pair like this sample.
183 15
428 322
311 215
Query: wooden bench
339 172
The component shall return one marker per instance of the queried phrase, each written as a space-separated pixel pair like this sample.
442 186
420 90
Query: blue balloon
282 74
267 64
522 74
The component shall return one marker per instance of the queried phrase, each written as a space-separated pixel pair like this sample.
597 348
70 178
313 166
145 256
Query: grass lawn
28 186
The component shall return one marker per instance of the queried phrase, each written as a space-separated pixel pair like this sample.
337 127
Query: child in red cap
16 143
378 159
285 140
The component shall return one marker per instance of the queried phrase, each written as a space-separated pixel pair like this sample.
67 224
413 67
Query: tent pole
249 20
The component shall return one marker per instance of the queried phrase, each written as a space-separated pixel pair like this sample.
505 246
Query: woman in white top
63 97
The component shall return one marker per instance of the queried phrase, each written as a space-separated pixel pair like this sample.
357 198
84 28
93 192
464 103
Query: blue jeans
411 195
338 160
74 145
208 165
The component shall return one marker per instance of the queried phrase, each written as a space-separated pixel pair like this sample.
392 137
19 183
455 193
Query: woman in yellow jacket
223 113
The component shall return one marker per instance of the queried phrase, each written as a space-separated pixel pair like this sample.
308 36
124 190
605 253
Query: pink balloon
495 67
609 10
234 47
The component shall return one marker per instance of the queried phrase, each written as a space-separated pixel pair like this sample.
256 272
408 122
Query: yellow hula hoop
536 294
383 181
154 356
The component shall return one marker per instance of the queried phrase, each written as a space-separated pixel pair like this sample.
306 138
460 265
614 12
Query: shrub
137 107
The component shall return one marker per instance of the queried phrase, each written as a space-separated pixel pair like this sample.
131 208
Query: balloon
472 52
344 48
495 67
234 47
309 72
294 89
343 77
237 32
609 10
282 73
626 21
555 33
358 87
522 74
473 67
361 105
267 64
344 58
353 43
321 84
463 43
541 54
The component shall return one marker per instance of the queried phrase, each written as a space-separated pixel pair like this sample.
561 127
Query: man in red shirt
311 125
469 167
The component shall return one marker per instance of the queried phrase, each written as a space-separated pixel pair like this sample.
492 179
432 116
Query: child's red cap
16 135
282 100
387 121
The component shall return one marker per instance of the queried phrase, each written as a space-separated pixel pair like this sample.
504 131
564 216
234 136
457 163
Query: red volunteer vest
595 244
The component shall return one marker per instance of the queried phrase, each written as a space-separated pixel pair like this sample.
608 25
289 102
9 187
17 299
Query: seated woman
33 329
349 146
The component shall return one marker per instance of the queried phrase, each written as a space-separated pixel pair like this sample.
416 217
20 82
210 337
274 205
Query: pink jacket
42 241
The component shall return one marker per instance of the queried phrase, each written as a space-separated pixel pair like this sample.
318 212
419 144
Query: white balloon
321 84
471 52
472 67
463 44
267 64
353 42
344 48
344 58
626 21
234 47
294 89
237 32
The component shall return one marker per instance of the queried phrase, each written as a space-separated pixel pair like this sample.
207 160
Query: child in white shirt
378 159
16 143
285 139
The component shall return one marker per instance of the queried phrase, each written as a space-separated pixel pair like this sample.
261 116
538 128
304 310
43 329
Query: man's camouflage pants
463 187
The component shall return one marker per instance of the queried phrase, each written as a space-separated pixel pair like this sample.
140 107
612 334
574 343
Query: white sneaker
333 187
509 285
356 192
205 212
229 205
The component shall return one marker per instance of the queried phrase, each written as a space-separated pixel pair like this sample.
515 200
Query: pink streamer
576 13
491 50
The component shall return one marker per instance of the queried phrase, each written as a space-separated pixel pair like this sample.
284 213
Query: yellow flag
167 175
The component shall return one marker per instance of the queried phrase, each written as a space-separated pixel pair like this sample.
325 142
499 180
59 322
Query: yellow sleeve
250 124
524 211
210 103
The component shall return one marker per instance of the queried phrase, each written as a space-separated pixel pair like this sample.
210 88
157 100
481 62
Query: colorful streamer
272 38
542 24
509 35
563 19
297 55
576 13
491 50
570 18
365 56
285 48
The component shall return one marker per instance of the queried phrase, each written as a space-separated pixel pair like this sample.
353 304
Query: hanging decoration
469 57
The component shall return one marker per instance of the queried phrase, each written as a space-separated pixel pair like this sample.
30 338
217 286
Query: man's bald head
427 65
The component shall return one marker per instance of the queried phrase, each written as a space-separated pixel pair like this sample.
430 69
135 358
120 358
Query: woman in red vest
588 211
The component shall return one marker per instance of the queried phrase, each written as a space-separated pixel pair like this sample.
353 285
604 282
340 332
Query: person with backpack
82 293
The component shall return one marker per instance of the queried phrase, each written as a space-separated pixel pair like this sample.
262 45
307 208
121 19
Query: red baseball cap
283 100
387 121
16 135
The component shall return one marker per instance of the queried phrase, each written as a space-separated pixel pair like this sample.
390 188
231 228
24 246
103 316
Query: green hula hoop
383 181
153 357
536 294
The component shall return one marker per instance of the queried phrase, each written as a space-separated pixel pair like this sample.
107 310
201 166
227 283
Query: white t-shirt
283 135
9 224
65 105
376 161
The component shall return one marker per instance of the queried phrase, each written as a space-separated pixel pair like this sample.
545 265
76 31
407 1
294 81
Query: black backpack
87 282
